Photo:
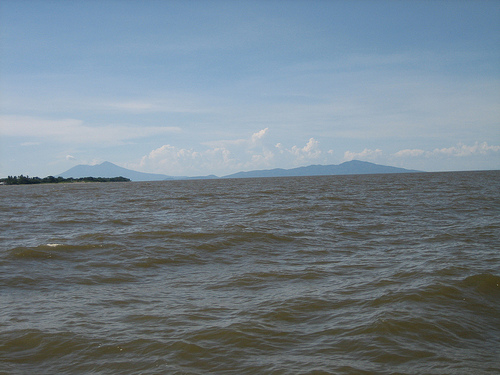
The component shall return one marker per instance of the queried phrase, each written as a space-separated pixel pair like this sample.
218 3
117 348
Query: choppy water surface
383 274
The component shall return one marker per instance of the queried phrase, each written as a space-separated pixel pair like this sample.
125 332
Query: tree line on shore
26 180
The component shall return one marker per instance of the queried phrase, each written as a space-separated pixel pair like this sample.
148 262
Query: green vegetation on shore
26 180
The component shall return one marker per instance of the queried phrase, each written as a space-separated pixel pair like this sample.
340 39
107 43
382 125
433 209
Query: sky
188 88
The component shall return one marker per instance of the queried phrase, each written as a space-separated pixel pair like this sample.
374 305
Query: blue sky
215 87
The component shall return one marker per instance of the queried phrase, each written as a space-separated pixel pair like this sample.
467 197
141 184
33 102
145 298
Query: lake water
372 274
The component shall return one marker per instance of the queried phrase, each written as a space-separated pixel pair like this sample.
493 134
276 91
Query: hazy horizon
175 177
199 88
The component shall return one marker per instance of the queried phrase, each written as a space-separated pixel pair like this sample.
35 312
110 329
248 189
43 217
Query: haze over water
369 274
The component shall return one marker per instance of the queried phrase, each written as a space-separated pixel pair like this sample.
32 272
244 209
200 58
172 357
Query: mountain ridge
346 168
108 170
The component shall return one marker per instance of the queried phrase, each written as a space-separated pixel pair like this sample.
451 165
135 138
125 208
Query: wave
485 284
49 251
153 261
116 278
302 276
256 280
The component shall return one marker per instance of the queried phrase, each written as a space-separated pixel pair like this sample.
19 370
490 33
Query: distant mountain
209 177
108 169
349 167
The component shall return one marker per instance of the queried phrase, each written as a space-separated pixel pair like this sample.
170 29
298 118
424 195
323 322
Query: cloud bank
461 150
258 152
76 131
228 156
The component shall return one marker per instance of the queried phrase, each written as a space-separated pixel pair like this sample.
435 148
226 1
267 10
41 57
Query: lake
367 274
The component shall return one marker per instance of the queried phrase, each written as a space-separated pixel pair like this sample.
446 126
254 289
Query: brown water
381 274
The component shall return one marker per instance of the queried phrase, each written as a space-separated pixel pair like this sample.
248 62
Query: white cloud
464 150
479 155
70 157
221 157
176 161
409 153
25 126
253 141
460 150
366 154
310 151
169 103
75 131
259 135
228 156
